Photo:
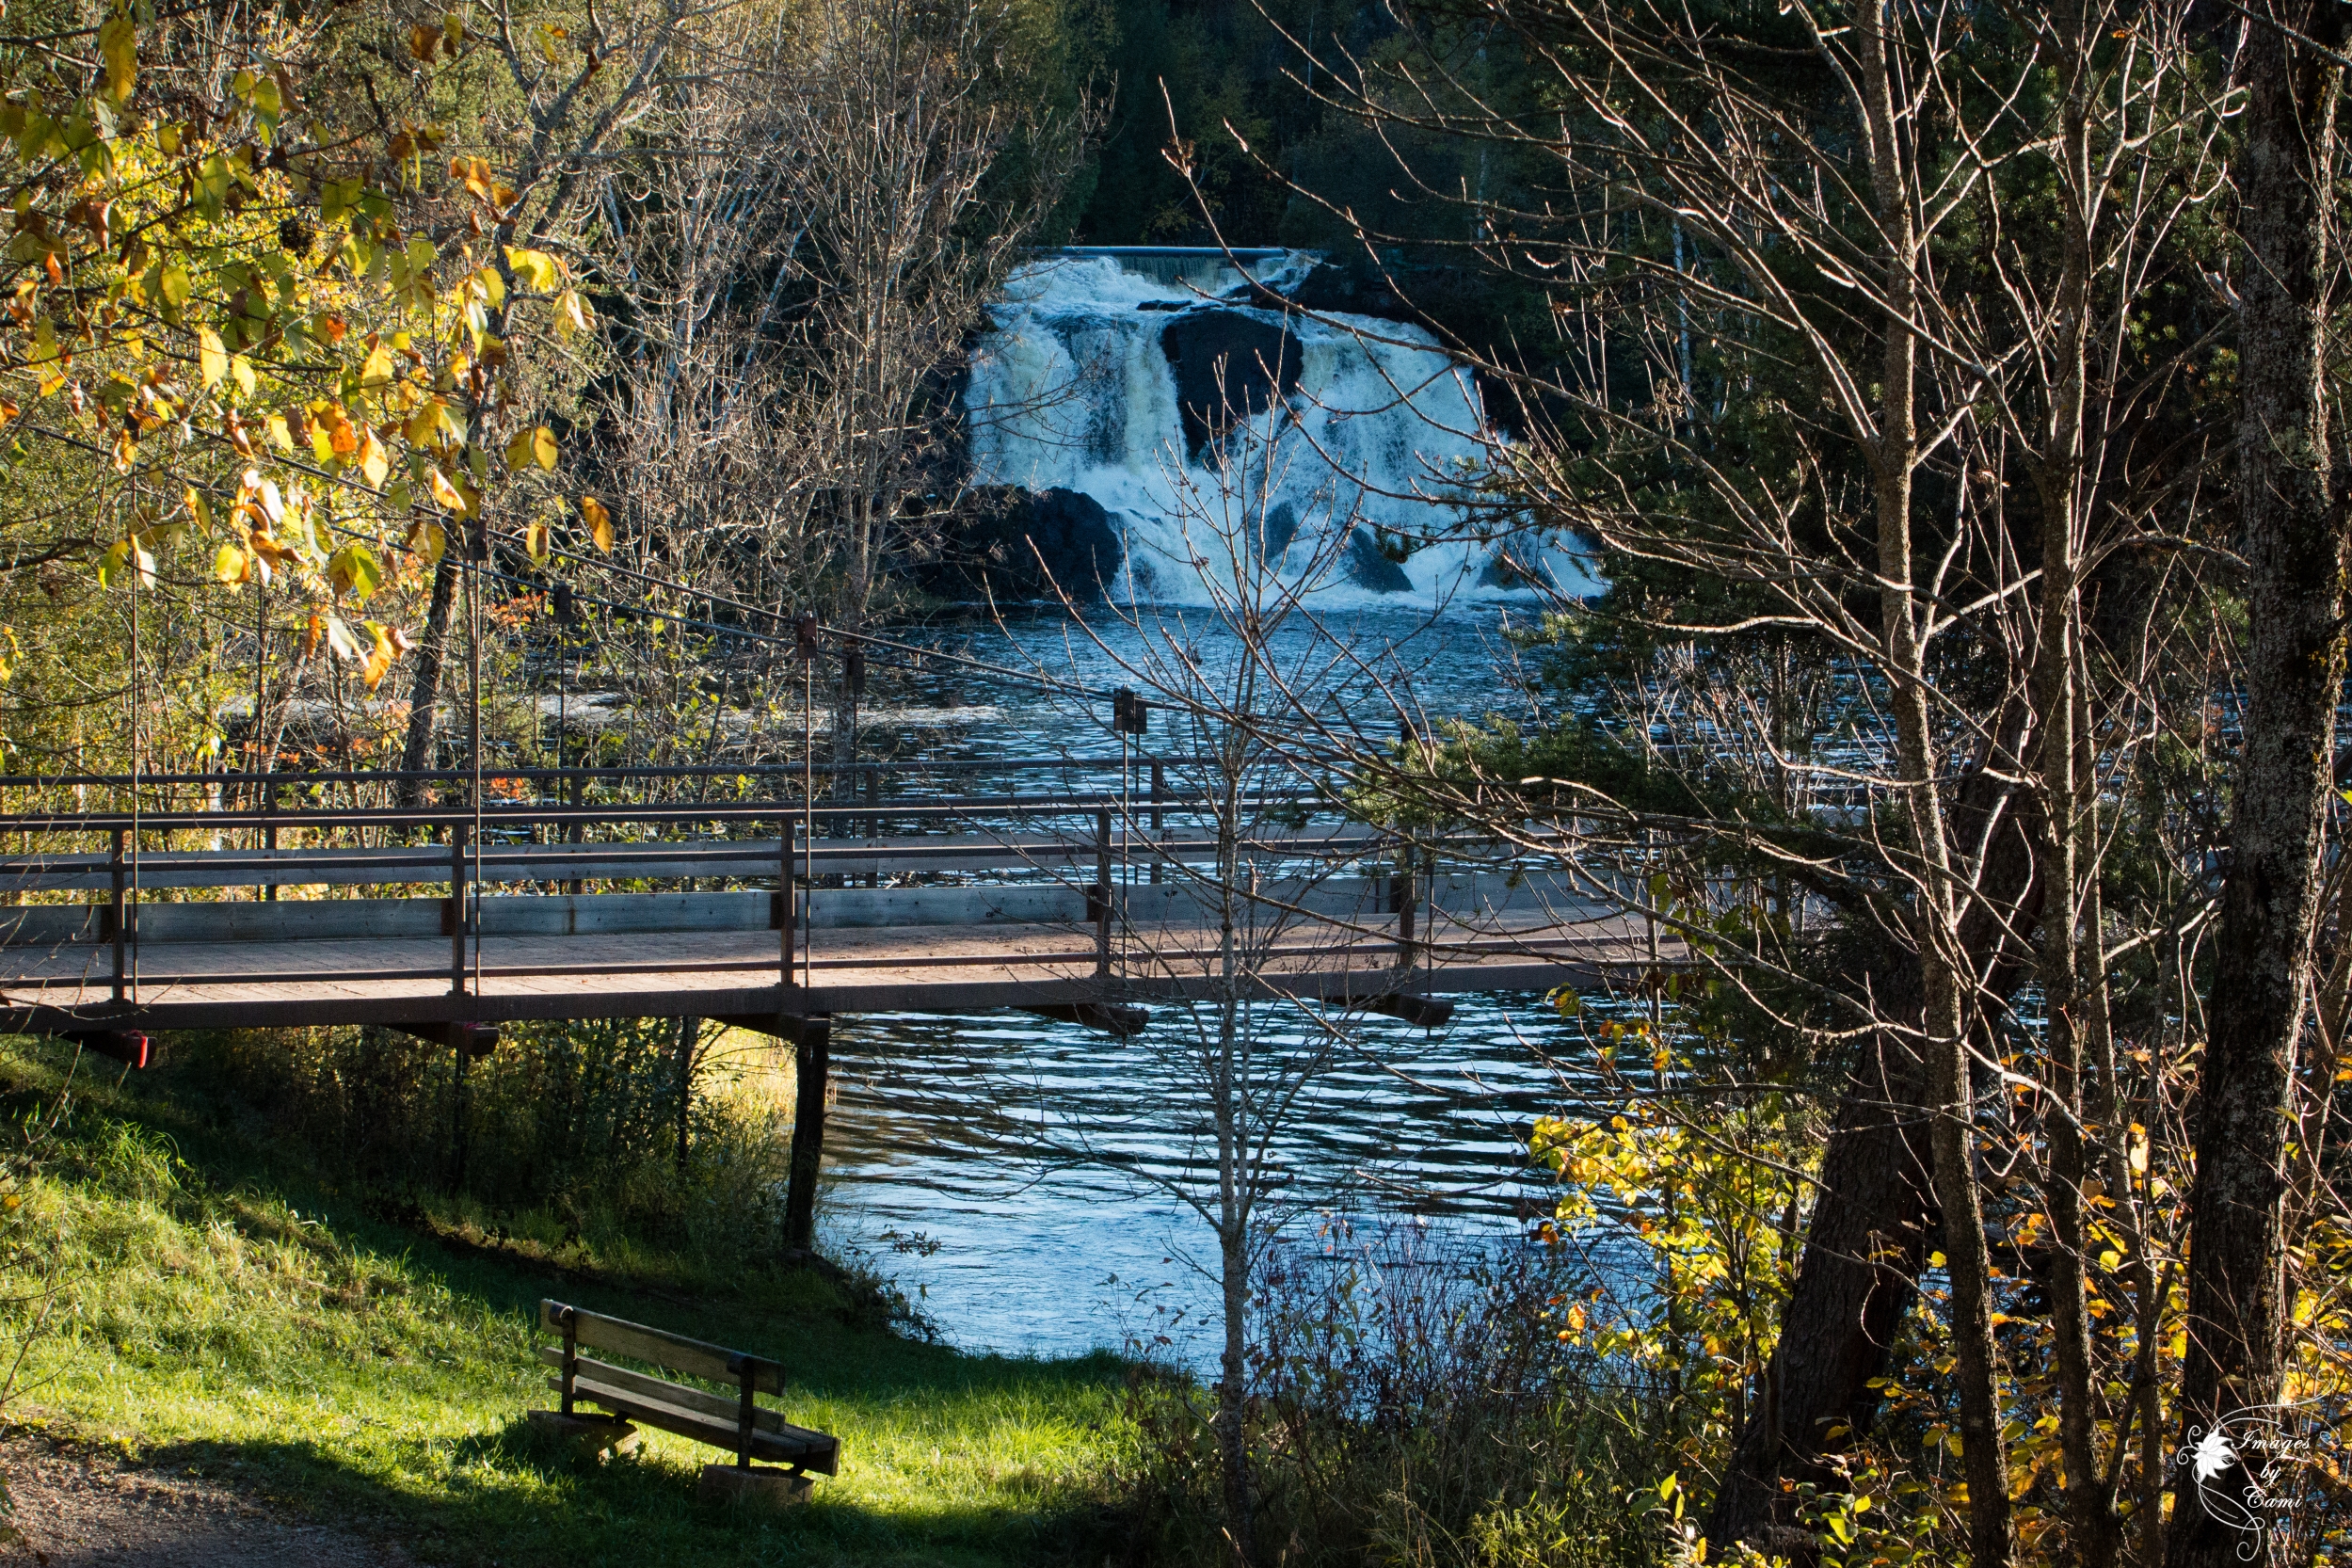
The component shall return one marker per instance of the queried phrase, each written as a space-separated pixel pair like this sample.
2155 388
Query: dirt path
92 1512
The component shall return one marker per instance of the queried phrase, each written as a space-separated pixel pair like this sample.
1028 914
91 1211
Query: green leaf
354 570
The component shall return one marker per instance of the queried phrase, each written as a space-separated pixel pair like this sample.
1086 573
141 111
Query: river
948 1147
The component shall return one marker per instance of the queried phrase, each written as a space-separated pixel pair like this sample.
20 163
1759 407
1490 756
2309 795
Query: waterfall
1339 450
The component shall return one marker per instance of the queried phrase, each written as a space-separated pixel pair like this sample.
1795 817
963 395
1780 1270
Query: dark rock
1282 526
1016 544
1353 288
1228 365
1369 569
1501 571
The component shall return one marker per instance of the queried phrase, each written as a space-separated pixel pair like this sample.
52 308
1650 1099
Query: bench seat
733 1420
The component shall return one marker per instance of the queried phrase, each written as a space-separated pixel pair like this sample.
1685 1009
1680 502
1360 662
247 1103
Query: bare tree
1961 433
1245 907
574 102
910 229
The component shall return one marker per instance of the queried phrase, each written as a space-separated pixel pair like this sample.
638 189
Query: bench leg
589 1436
765 1488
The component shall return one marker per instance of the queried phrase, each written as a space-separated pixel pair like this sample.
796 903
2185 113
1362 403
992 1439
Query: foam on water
1382 433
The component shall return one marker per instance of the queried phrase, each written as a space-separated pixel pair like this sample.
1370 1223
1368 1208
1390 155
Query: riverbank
199 1308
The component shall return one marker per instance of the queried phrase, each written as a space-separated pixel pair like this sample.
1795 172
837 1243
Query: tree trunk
1229 1089
1863 1254
1937 902
1867 1239
424 687
2292 540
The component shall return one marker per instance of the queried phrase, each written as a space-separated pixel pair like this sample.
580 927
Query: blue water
1018 1178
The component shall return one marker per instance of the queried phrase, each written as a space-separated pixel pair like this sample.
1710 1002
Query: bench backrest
697 1358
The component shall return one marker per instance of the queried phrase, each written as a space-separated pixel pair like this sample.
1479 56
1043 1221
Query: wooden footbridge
1090 890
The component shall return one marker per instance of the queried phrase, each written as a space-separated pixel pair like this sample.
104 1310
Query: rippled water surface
1014 1174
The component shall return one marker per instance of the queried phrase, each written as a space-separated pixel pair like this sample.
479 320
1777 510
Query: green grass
214 1312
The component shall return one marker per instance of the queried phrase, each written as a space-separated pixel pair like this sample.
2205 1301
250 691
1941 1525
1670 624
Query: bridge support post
813 1062
1101 899
787 913
1403 895
1159 793
457 911
874 820
116 917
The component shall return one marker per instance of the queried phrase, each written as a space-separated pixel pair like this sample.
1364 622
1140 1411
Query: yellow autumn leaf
355 571
428 540
379 659
240 372
339 639
539 541
444 492
380 369
571 313
600 522
199 509
212 358
532 446
533 269
118 43
373 464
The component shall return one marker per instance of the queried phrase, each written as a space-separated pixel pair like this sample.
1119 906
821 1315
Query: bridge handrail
564 862
758 859
506 814
242 777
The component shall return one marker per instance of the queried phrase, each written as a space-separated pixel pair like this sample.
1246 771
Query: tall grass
1412 1405
565 1143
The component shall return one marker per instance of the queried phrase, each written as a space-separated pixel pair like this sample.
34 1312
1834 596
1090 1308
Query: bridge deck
721 973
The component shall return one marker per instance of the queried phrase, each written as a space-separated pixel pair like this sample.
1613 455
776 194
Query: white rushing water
1110 375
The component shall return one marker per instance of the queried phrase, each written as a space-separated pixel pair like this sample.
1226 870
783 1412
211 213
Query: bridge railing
177 863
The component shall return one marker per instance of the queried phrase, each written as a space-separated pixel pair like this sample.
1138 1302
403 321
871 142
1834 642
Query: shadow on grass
950 1459
517 1498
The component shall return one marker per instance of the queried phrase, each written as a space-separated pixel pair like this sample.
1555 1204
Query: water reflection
963 1132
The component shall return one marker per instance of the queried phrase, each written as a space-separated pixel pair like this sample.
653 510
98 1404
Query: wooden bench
736 1420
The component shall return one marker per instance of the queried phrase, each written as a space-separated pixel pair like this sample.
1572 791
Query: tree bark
2293 543
1936 901
1233 1205
425 688
1863 1254
1867 1239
